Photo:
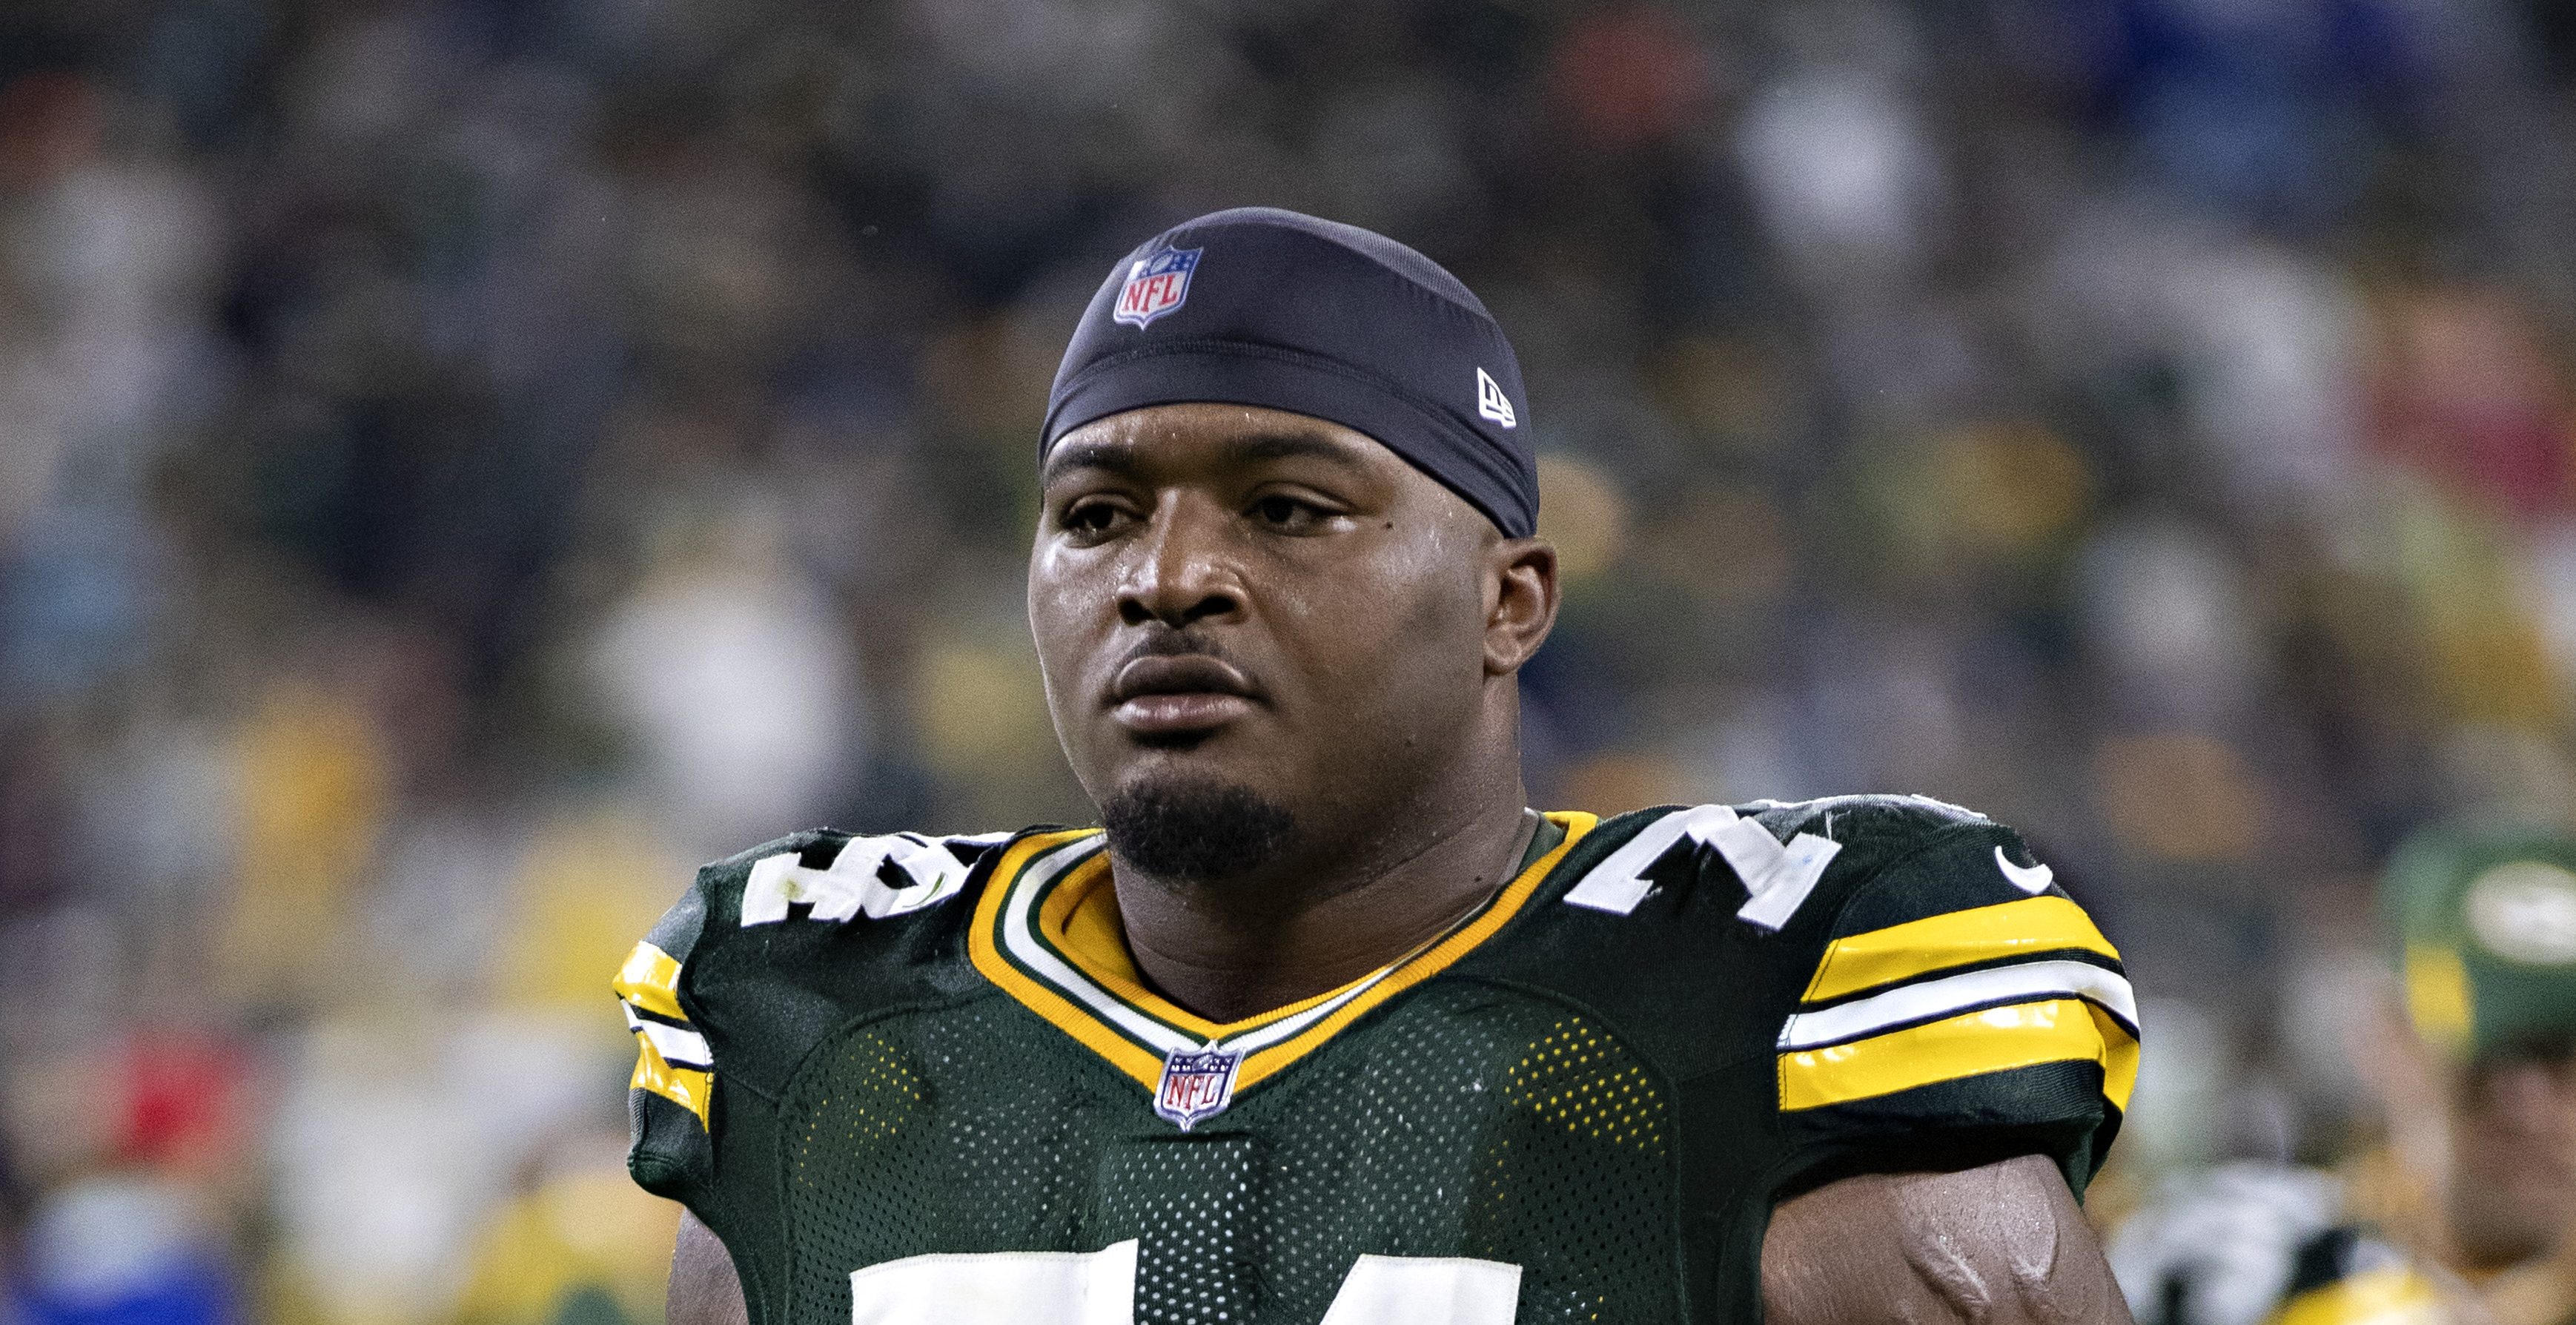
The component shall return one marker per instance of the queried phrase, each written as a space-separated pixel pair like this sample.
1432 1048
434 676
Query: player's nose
1178 574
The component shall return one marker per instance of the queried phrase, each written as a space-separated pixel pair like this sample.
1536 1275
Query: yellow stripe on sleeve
650 980
685 1086
1956 938
1972 1044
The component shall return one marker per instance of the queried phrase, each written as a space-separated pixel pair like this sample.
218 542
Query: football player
1324 1024
2468 1215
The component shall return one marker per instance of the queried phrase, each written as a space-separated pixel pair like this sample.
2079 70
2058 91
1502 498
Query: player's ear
1521 586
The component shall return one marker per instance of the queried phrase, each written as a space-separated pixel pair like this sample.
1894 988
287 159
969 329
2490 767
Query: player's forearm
2002 1244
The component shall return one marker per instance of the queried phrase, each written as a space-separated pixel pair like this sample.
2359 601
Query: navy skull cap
1260 306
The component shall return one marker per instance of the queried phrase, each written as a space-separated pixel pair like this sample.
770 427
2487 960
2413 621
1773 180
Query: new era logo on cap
1491 402
1156 285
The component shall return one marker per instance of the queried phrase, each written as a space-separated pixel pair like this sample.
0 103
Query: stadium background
462 463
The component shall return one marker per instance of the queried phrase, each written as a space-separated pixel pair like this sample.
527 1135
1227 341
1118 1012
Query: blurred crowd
462 462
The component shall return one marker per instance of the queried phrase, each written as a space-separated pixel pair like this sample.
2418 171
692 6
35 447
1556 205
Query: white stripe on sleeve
1930 999
678 1046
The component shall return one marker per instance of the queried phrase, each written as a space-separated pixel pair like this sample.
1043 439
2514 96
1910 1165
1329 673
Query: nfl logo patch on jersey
1197 1084
1156 284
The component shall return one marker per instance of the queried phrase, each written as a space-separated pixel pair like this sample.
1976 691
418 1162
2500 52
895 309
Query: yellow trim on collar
1422 965
1079 916
1036 996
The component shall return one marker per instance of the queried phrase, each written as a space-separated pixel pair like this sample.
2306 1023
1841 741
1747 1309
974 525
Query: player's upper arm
2001 1244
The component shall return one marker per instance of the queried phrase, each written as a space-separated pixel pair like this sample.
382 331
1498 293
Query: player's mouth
1167 695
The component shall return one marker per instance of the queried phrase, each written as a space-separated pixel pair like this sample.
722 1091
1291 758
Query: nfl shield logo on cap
1197 1084
1156 284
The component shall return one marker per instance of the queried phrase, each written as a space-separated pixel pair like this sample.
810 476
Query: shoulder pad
1921 987
836 876
829 875
1781 851
673 984
1847 818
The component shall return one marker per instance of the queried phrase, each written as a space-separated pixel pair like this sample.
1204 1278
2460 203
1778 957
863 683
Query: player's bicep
2001 1244
704 1288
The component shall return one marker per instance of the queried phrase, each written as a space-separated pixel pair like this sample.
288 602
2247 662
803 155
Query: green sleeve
1962 1009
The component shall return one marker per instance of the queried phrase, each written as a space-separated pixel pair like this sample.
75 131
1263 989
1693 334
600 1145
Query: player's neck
1245 946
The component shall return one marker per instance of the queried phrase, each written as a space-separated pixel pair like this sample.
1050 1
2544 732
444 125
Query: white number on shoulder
1776 877
852 884
1099 1288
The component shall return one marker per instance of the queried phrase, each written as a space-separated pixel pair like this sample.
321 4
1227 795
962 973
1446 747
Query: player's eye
1091 518
1285 512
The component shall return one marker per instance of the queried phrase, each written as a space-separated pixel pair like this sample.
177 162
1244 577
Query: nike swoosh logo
2029 878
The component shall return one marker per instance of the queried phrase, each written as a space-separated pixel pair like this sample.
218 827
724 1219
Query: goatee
1196 830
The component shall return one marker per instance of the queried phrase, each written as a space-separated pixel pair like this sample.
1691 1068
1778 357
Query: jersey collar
1046 931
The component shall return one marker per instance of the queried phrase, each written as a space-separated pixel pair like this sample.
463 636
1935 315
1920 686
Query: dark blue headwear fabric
1258 306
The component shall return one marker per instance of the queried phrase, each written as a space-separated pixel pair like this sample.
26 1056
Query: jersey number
1777 876
855 882
1099 1288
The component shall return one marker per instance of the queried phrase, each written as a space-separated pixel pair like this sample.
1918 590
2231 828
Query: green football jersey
909 1078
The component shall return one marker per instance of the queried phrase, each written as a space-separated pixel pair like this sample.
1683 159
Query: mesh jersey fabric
1610 1098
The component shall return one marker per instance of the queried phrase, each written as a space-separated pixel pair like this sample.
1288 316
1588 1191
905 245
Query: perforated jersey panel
1463 1120
943 1132
1196 1206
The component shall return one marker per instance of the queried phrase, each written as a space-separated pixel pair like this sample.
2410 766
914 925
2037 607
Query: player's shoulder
1845 916
837 877
1818 868
1887 977
763 954
821 892
1907 858
769 947
1882 820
